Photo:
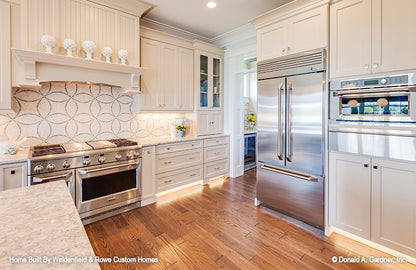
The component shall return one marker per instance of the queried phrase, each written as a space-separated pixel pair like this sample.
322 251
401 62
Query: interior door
304 123
270 122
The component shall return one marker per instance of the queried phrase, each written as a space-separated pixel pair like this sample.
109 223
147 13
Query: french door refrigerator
290 173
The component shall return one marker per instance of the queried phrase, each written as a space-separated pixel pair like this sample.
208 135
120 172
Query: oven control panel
375 82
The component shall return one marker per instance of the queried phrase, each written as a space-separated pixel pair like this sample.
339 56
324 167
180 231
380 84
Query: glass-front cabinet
210 81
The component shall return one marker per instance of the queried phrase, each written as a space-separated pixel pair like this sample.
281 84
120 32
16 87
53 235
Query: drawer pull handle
217 153
168 181
149 152
193 144
168 162
111 199
168 148
217 168
192 174
217 141
192 158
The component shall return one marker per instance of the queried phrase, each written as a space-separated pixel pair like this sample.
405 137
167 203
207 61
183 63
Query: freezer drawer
297 195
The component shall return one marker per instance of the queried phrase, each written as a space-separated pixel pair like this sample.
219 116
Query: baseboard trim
149 200
372 244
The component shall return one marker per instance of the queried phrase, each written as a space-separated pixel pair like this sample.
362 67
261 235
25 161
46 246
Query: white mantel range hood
35 67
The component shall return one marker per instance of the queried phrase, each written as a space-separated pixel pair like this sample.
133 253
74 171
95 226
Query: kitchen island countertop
39 221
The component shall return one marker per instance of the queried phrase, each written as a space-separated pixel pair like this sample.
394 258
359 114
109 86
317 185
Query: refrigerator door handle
289 153
289 173
280 132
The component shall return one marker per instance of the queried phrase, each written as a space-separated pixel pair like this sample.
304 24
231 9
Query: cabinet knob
367 66
149 152
375 167
288 48
375 65
283 50
365 165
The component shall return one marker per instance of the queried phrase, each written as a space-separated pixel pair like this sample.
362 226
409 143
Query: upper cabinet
292 28
372 36
167 85
5 74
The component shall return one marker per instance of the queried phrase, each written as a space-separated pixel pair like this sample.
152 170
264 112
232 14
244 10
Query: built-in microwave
385 99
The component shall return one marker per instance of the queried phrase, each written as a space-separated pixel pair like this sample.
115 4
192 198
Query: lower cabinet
375 199
209 122
13 175
148 176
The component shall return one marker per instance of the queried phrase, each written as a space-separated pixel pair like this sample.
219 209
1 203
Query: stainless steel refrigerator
290 122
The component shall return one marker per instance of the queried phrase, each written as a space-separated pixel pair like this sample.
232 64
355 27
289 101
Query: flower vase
181 133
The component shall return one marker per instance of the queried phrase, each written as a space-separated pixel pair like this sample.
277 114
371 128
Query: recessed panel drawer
169 180
178 160
215 153
174 147
216 141
216 169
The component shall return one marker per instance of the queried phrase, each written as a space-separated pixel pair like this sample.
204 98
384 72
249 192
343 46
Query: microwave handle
46 179
374 91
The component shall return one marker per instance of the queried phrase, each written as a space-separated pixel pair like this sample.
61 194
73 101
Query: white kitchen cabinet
167 84
13 175
393 215
216 158
298 32
350 189
209 122
148 176
5 64
372 36
375 199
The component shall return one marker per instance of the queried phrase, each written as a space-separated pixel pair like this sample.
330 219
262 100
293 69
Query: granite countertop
21 156
40 221
150 141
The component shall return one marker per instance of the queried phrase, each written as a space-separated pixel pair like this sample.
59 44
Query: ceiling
194 15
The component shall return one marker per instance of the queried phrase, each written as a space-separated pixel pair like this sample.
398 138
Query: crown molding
133 7
242 34
155 25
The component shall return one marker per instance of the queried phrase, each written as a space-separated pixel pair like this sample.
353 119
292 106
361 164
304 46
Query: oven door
104 187
374 105
68 176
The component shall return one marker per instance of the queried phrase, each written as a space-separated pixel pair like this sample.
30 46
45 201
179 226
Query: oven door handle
374 91
46 179
126 167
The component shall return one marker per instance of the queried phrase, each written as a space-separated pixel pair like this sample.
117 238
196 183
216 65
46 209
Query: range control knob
118 157
101 159
383 81
50 167
66 165
38 169
128 155
136 154
86 162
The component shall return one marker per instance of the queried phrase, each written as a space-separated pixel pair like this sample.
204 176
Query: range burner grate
44 150
123 142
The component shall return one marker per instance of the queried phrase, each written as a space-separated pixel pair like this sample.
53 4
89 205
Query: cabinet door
203 122
350 38
350 184
394 205
169 78
308 31
152 79
202 81
5 65
13 176
148 175
394 35
272 41
185 79
215 122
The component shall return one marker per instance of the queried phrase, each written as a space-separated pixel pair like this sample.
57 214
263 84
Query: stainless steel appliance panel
270 124
68 176
297 195
305 123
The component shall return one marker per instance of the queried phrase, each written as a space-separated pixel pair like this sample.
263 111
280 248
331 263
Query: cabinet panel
5 65
169 180
178 160
394 205
185 76
216 123
394 35
272 41
174 147
151 84
350 184
170 79
350 38
148 172
308 30
203 123
215 169
215 153
13 176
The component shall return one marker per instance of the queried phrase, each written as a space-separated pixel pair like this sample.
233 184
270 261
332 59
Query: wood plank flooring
218 226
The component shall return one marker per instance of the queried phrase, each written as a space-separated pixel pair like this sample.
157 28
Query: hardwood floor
218 226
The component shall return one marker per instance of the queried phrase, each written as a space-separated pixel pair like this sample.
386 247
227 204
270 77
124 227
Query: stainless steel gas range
103 177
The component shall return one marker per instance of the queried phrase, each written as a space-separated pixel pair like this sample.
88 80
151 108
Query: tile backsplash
77 112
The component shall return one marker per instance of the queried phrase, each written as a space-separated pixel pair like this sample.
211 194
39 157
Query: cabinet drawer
215 141
169 180
178 160
174 147
214 153
215 169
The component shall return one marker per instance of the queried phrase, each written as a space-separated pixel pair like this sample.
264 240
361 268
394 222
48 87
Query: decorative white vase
107 52
123 54
69 46
49 42
89 47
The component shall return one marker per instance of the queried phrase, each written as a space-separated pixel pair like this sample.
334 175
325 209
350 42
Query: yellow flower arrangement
251 118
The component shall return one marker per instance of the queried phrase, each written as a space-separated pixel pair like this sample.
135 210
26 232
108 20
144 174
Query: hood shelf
36 67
